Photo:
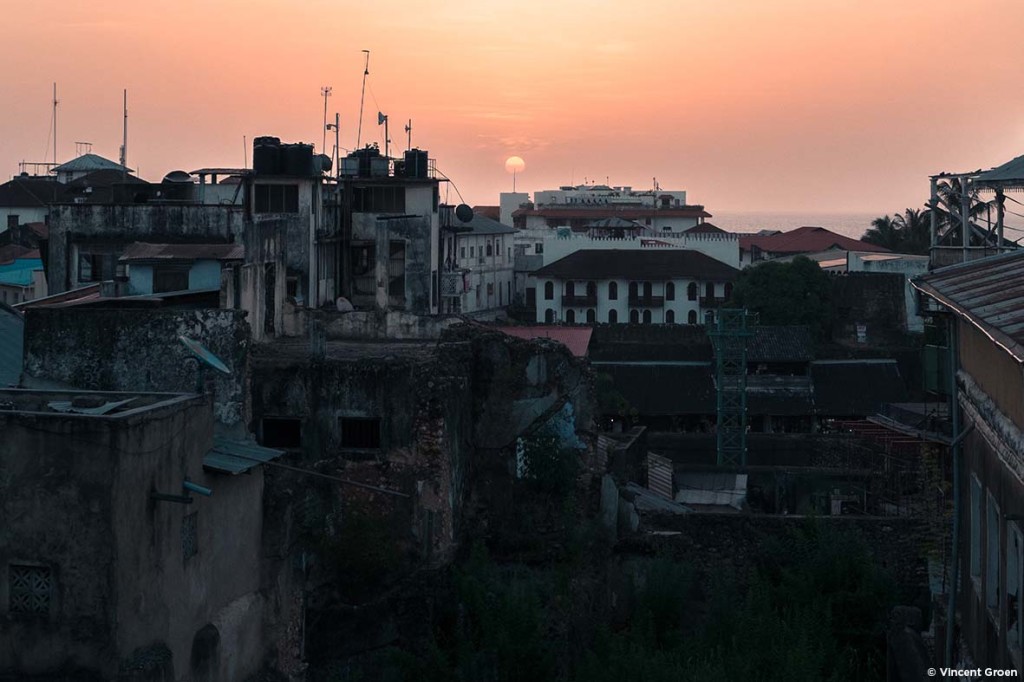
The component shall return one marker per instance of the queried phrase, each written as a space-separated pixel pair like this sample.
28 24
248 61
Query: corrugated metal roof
237 456
146 251
12 337
1010 172
19 272
989 293
576 339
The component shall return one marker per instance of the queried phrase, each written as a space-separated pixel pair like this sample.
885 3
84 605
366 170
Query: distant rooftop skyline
797 105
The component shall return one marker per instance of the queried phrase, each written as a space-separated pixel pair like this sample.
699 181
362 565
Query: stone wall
873 299
727 544
138 350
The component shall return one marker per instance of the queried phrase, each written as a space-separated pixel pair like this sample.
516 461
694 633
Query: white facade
681 300
603 195
488 286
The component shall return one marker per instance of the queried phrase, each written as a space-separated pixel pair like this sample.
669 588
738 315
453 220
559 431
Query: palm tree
883 232
914 228
947 208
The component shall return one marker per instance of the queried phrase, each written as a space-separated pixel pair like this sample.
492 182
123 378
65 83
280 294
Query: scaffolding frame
729 336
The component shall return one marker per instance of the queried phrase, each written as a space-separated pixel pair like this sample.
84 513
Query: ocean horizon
847 224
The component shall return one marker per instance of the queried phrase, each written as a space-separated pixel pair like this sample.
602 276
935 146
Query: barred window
31 589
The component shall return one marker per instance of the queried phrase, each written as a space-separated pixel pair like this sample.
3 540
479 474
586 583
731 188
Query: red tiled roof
576 339
492 212
806 240
596 212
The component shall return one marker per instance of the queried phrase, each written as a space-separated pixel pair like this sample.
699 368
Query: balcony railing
646 301
711 302
579 301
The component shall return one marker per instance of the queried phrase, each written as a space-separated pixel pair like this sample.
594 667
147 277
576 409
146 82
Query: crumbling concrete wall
127 223
872 299
138 350
393 324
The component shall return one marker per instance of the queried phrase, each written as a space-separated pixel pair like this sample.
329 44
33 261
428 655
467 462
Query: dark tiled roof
1011 172
89 162
650 343
805 240
481 224
989 293
30 192
146 251
855 388
11 252
663 389
705 228
645 264
781 344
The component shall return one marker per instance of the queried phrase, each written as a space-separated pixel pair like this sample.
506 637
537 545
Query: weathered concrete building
110 565
984 302
478 265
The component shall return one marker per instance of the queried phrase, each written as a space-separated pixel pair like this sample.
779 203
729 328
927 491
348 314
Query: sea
847 224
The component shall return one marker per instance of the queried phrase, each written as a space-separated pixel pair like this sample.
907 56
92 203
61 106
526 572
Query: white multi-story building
647 286
478 263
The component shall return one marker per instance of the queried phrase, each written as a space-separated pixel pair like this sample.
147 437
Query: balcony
646 301
711 302
579 301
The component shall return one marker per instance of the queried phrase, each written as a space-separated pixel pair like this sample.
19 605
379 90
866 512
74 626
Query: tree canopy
907 232
797 292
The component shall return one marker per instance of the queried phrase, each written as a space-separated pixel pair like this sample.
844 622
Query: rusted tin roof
988 293
576 339
146 251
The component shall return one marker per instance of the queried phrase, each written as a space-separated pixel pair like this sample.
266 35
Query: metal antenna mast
55 101
326 92
362 98
408 131
124 141
729 337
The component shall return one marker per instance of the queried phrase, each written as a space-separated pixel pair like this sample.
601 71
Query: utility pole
124 140
55 101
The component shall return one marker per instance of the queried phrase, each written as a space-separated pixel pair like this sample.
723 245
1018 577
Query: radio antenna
362 98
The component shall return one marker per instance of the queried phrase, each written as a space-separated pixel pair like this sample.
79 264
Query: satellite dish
204 355
464 213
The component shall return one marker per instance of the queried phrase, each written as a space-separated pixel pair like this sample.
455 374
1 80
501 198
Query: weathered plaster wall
392 324
124 224
138 350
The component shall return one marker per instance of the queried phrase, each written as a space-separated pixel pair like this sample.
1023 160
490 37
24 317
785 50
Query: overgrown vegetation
794 293
815 609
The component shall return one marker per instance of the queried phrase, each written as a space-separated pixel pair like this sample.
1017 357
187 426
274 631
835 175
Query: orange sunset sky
750 105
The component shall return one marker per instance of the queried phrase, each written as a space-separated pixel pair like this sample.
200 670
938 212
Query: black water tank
298 159
266 155
415 163
366 156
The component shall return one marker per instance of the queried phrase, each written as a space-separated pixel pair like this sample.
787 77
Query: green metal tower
729 338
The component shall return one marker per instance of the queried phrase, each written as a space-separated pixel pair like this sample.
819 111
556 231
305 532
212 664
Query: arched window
632 290
647 290
549 291
570 316
549 316
691 317
591 316
613 291
634 316
691 291
613 317
670 291
709 290
647 317
670 317
728 289
570 288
